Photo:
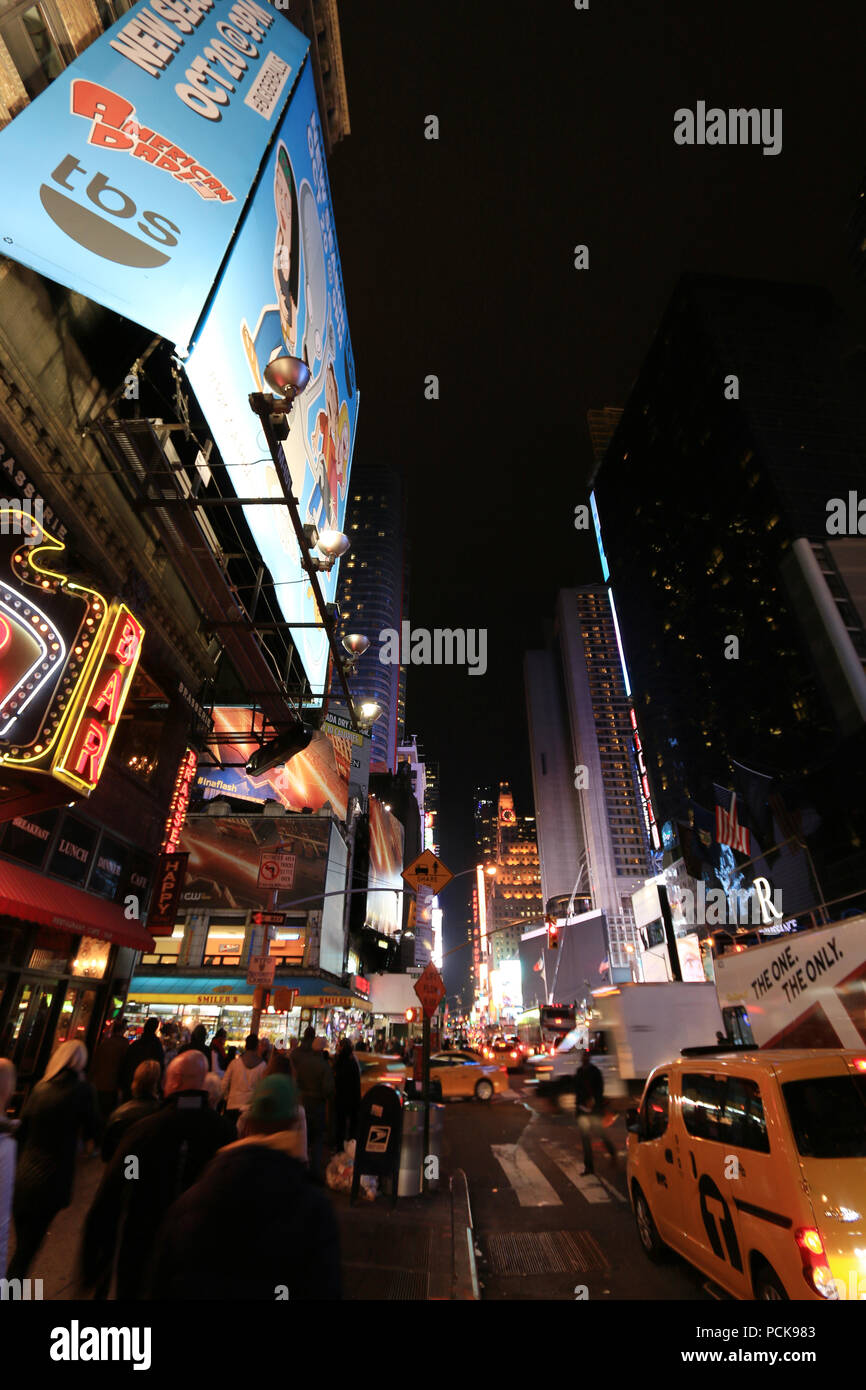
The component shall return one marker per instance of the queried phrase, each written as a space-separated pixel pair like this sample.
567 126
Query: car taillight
514 1054
860 1063
816 1270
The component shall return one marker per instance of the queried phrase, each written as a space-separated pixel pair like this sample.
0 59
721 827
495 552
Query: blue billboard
131 170
282 291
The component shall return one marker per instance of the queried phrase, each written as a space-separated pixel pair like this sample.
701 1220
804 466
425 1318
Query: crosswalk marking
528 1181
588 1187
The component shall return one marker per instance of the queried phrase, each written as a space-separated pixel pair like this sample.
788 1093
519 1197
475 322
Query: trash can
410 1181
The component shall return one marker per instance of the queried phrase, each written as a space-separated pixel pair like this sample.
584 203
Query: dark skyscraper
372 596
741 612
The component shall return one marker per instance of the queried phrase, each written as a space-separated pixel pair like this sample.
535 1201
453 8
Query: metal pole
425 1046
259 405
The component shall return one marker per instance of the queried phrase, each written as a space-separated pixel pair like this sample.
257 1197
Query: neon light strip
619 643
605 568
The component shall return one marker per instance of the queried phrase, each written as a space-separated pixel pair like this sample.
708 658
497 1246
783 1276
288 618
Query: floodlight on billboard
282 293
132 168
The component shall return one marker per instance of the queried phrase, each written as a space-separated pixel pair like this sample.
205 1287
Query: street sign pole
255 1022
425 1045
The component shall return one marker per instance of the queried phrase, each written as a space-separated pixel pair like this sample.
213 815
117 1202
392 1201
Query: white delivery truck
633 1028
803 989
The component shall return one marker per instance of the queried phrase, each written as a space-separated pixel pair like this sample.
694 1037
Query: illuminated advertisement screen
384 904
226 856
282 292
132 168
316 777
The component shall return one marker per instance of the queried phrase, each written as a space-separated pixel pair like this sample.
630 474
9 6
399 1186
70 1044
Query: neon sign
88 733
643 783
179 801
67 660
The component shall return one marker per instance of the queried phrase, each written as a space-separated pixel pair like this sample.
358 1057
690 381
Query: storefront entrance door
28 1023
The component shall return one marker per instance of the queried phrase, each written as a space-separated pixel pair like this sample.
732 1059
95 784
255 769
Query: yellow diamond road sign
427 872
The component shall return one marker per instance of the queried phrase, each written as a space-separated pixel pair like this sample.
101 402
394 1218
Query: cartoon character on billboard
330 448
287 249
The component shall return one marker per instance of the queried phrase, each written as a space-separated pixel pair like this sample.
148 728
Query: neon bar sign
67 661
90 730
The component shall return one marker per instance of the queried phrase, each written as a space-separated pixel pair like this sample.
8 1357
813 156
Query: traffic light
412 1015
552 935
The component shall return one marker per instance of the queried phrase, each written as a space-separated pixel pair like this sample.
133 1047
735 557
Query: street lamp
288 377
331 543
369 711
356 644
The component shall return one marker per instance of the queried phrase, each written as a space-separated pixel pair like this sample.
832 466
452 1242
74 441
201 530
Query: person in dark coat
170 1149
106 1067
198 1043
316 1084
60 1109
590 1105
347 1100
255 1216
145 1099
147 1048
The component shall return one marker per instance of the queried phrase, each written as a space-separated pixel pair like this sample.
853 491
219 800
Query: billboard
132 168
225 859
385 878
282 292
316 777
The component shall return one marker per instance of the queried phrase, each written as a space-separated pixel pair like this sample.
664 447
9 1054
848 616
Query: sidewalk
412 1251
396 1252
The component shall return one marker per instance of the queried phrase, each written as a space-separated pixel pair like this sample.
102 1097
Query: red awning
29 895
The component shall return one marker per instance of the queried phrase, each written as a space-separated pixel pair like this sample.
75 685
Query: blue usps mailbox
380 1136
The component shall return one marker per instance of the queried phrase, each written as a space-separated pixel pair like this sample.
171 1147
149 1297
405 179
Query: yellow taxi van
752 1166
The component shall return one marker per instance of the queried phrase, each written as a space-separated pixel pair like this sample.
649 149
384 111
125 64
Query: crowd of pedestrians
213 1157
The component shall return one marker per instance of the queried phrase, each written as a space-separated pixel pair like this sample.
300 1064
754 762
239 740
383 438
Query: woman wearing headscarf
60 1109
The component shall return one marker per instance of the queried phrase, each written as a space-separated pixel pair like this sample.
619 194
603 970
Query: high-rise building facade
371 597
515 894
485 824
740 590
591 832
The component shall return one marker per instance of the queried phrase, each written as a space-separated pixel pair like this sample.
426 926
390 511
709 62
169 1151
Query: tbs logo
102 234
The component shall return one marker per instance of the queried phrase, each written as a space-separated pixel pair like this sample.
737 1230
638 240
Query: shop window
137 743
76 1012
34 36
28 838
108 867
167 949
225 945
91 958
26 1027
73 851
51 951
288 946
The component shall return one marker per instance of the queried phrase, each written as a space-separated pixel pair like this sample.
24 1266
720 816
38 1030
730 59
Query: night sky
555 129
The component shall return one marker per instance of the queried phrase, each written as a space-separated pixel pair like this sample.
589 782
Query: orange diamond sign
426 871
430 990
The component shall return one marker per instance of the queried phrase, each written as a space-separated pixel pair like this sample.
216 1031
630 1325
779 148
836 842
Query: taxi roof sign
426 871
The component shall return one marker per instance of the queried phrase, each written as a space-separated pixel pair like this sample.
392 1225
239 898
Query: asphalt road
544 1231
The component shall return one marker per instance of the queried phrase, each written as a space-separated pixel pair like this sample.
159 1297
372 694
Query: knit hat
275 1103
